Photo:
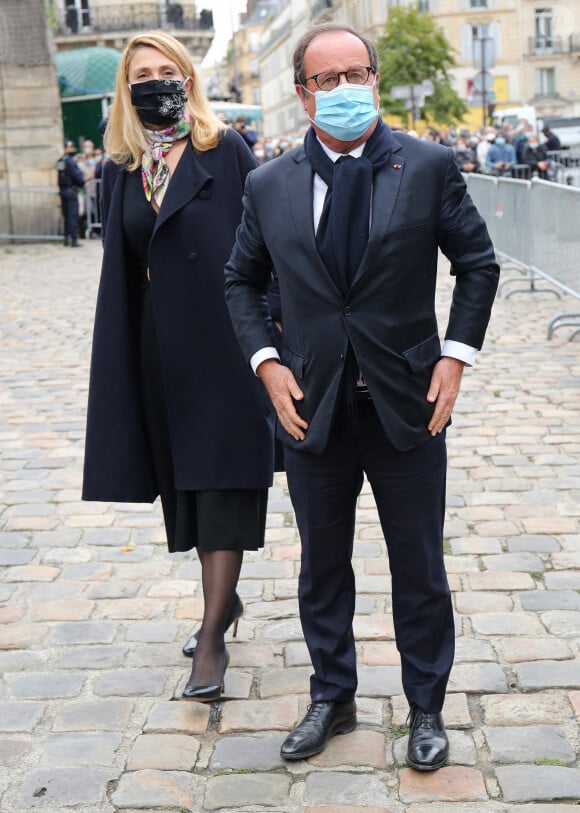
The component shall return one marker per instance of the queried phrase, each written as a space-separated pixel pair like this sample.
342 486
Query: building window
77 15
478 3
546 81
543 29
478 32
424 5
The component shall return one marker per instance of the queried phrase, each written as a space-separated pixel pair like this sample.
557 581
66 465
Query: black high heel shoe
235 612
208 693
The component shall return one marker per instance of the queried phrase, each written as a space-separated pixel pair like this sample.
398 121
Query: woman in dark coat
174 410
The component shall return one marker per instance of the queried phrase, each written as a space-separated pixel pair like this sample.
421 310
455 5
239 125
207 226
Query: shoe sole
343 728
214 698
418 766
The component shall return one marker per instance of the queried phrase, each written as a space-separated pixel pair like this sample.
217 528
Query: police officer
70 178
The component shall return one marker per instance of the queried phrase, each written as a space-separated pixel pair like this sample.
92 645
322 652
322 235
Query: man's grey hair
316 30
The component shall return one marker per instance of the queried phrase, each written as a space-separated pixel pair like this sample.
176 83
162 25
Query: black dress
232 519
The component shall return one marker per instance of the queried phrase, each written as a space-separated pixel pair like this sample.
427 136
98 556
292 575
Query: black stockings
220 570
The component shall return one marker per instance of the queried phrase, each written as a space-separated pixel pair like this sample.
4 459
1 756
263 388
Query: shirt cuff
460 351
261 355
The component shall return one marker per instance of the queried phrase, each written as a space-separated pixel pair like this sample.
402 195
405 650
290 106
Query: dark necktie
343 231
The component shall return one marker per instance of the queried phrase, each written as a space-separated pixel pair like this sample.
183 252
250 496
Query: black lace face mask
159 102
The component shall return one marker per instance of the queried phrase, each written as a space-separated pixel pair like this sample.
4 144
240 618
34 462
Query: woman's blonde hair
124 140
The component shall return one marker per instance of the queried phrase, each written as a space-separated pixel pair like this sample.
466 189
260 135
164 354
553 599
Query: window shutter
466 44
495 33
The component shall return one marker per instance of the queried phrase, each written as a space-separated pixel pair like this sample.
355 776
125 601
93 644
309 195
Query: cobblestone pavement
94 611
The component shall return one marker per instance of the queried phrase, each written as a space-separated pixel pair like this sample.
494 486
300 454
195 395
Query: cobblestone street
94 611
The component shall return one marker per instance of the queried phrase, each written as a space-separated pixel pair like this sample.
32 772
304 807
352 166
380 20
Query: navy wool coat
220 419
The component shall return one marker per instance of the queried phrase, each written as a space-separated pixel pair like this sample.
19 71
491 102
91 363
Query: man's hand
443 391
283 391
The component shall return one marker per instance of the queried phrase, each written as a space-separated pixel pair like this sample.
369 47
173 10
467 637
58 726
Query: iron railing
546 45
133 16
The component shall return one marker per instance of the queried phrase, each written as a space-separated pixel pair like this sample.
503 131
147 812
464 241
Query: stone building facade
536 51
30 116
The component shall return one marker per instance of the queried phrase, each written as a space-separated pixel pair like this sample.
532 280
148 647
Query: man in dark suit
352 224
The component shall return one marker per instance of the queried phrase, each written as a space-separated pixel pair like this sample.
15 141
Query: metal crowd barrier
564 166
534 228
30 214
35 214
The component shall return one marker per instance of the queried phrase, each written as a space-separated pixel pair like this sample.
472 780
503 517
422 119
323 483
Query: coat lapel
188 180
386 184
300 191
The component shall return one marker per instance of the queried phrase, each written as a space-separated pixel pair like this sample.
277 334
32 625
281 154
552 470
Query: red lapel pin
396 166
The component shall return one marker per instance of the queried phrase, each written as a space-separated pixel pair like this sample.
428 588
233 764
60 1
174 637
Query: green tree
412 49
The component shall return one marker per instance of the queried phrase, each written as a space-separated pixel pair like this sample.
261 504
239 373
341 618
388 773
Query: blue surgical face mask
500 142
346 112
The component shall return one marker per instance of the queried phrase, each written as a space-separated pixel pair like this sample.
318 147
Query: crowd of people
78 169
511 151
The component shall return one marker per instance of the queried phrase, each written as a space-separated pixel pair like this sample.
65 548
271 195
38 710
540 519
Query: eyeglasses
328 80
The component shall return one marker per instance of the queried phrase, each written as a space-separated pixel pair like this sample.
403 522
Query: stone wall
31 131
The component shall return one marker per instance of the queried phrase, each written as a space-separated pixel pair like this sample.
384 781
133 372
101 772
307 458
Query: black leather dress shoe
323 720
428 744
235 612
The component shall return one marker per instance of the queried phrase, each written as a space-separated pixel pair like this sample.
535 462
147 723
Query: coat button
203 195
347 311
193 256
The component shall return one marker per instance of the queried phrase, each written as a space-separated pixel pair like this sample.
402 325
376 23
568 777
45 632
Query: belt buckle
363 394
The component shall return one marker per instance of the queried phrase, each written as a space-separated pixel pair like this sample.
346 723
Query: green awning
87 71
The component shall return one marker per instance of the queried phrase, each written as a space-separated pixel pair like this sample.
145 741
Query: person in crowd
552 141
269 149
464 154
284 143
88 200
536 157
99 156
241 126
70 181
173 408
351 223
259 151
100 159
501 156
482 149
88 148
519 142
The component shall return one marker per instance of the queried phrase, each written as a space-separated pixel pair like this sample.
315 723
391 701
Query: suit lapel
300 193
386 184
188 180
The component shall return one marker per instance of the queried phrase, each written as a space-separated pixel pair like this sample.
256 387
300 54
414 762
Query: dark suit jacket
220 420
420 204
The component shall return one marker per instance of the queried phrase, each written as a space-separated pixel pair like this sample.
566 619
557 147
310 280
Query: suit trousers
409 491
69 201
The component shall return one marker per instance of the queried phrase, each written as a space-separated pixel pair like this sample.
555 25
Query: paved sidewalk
94 611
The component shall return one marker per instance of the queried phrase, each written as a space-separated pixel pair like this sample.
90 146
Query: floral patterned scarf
154 170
